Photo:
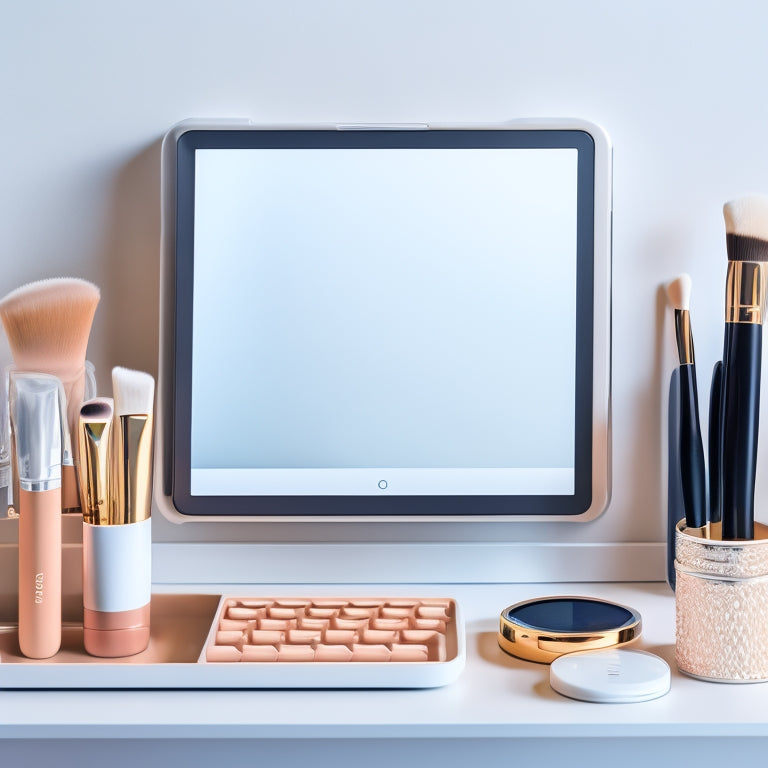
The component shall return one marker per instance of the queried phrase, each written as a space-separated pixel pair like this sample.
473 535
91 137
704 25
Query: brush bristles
679 292
98 408
134 392
48 323
747 216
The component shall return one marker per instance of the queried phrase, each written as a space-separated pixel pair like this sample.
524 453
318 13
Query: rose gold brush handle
39 572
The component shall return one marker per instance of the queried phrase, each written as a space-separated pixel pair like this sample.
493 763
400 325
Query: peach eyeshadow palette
223 641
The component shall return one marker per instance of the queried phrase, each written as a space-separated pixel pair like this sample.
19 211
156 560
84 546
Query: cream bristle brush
48 323
692 467
746 235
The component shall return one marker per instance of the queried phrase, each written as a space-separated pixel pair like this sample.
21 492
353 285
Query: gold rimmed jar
721 607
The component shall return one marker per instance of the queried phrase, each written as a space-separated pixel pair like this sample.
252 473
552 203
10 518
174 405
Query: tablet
385 321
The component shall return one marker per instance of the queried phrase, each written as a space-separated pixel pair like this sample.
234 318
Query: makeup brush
34 408
47 324
713 452
692 467
746 227
117 537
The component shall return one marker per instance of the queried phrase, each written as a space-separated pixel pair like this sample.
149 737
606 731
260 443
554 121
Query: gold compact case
543 629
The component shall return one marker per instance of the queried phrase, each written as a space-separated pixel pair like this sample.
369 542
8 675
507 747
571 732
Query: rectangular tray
184 633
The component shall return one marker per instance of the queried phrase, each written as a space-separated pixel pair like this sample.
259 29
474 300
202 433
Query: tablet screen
383 322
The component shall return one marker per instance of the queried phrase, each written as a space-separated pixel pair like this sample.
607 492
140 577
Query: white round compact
610 676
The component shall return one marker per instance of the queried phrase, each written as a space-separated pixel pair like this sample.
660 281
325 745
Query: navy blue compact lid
570 614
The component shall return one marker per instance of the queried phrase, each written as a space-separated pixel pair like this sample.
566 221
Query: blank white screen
403 314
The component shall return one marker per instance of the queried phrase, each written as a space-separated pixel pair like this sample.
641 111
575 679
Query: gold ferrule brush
745 292
746 228
746 285
133 468
684 336
94 437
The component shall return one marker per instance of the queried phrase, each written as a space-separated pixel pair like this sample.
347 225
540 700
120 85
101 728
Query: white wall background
88 89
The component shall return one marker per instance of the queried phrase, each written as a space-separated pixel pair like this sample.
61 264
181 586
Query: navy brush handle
692 468
715 442
675 506
739 420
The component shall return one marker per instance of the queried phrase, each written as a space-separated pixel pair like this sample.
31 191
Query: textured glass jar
721 607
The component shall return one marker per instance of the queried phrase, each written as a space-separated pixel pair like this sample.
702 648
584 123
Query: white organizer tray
186 627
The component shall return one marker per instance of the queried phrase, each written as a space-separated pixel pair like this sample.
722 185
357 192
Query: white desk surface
496 696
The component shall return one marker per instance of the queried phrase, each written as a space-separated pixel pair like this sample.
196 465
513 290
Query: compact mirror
543 629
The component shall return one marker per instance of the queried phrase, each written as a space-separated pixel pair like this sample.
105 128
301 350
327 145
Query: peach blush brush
48 323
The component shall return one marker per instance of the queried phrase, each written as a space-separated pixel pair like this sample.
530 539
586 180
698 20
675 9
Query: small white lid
610 676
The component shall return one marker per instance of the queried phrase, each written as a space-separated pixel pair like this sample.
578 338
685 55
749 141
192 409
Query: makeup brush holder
721 607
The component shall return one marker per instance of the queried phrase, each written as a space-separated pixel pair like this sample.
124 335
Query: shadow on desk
488 649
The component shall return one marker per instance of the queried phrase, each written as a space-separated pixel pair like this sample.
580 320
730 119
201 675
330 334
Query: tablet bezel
593 328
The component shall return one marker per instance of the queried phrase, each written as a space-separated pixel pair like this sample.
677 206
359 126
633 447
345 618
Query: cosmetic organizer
721 607
223 641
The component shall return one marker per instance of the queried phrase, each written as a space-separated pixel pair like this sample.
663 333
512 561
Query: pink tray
221 641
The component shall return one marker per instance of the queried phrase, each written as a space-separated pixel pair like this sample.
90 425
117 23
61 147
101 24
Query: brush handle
692 468
39 572
739 421
70 490
715 443
675 505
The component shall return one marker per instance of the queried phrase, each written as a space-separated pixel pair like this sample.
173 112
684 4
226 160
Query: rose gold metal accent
116 633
